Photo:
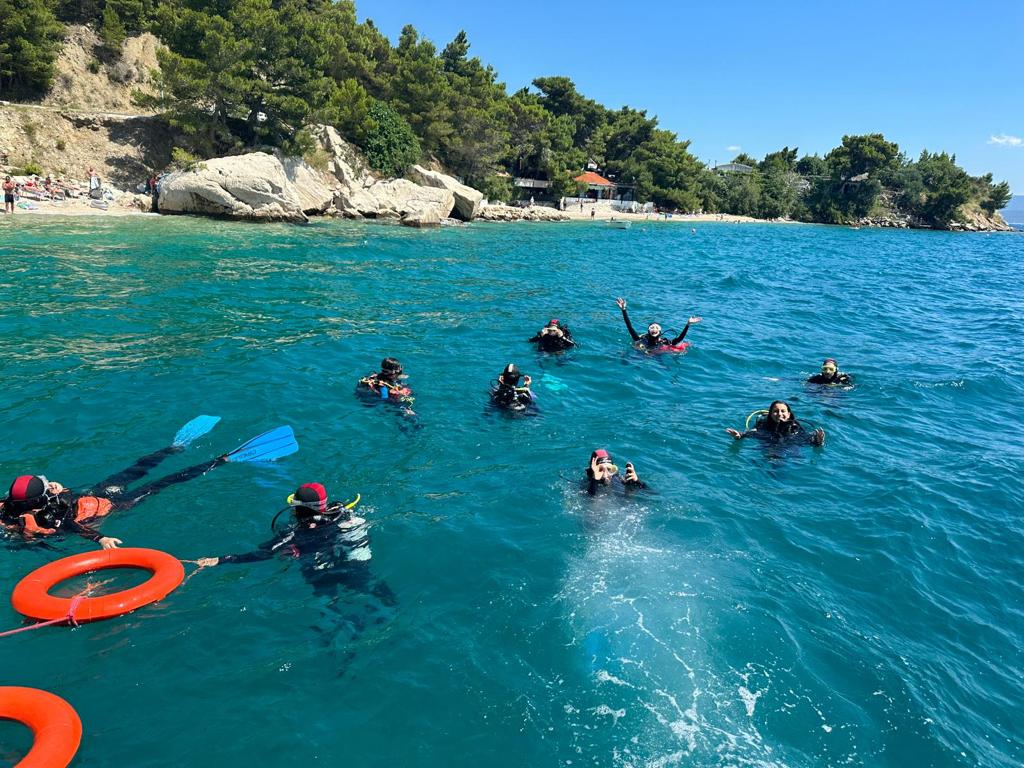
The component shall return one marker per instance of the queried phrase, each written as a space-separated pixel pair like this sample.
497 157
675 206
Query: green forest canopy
239 74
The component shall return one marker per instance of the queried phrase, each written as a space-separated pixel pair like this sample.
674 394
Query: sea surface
856 605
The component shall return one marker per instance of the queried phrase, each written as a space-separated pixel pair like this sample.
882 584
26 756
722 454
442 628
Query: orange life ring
57 728
32 595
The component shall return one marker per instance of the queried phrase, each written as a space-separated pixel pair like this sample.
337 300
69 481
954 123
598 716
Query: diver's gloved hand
207 562
630 476
818 437
694 320
108 542
735 433
621 303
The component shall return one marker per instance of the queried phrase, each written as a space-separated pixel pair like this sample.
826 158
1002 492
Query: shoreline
678 218
80 208
77 207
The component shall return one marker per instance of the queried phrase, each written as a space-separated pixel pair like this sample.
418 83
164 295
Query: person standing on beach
8 195
94 185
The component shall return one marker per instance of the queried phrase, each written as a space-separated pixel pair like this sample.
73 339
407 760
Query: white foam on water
749 699
657 698
615 714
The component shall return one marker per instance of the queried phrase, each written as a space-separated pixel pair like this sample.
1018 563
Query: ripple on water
857 605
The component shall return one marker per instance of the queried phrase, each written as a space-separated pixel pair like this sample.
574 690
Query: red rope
69 619
76 601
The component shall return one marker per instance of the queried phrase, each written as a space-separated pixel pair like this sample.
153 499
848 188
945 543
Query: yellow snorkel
746 424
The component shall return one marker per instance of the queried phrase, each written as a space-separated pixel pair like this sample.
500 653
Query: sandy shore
78 206
603 214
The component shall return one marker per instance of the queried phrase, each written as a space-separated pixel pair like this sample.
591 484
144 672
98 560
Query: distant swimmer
331 544
554 337
779 424
654 340
507 392
35 506
389 384
603 475
830 375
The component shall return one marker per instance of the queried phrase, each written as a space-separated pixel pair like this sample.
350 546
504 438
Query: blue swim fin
266 447
196 428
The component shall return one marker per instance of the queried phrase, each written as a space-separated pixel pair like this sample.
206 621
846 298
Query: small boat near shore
618 224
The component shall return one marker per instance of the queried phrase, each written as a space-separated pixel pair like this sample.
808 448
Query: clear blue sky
760 75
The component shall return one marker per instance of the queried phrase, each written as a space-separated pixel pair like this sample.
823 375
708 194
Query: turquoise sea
858 605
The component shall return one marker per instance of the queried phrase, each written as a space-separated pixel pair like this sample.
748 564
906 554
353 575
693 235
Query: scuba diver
830 375
654 340
388 385
603 475
507 393
779 424
35 506
332 545
553 337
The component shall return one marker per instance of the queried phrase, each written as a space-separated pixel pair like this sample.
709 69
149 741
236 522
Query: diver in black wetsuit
830 375
603 475
507 393
35 506
389 384
332 545
780 425
653 339
553 337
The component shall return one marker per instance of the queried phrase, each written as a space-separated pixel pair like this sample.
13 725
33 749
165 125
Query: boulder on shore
311 186
512 213
358 193
253 187
398 198
467 199
427 217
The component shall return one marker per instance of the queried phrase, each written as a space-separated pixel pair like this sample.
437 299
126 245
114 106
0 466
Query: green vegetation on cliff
238 74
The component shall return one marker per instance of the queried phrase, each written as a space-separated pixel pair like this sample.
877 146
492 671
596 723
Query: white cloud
737 147
1006 140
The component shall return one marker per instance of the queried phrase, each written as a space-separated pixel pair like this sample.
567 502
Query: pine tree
30 38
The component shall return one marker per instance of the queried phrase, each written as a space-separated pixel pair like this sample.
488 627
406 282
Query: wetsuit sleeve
265 551
681 336
629 326
817 379
591 483
534 339
82 530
